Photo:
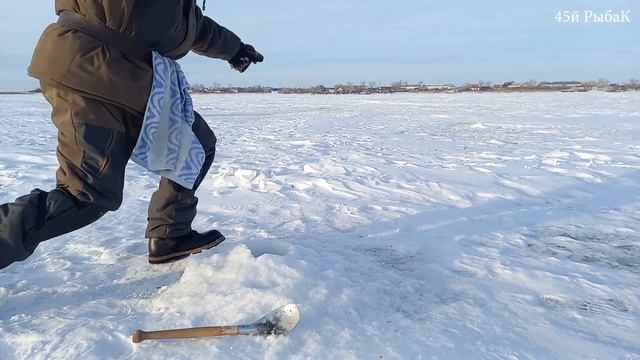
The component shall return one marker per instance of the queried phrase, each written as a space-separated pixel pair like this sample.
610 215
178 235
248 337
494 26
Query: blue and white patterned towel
167 145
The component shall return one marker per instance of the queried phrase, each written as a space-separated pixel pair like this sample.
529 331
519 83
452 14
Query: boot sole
184 254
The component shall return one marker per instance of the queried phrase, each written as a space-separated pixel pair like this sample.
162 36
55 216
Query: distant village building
422 88
518 86
560 84
438 87
410 88
472 87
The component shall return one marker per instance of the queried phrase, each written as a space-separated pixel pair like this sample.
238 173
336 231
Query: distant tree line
406 87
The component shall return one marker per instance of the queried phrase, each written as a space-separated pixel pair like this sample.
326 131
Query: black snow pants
95 141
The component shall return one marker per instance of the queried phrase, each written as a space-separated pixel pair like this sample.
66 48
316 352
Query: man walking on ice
107 68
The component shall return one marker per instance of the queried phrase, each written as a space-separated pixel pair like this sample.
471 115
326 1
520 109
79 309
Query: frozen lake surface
470 226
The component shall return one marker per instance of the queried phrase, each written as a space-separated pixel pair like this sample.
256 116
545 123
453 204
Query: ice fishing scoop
277 322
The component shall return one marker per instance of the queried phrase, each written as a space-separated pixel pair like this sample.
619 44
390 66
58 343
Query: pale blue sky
330 41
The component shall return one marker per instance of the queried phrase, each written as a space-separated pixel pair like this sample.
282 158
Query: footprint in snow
609 306
603 306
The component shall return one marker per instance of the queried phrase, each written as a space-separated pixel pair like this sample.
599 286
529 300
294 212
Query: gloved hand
246 56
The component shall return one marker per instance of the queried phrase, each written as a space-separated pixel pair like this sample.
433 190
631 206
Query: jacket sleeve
213 40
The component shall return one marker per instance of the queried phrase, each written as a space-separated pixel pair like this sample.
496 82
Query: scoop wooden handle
139 335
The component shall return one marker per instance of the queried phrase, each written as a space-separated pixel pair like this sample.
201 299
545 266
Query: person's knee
205 135
208 141
98 195
60 201
63 195
210 148
60 212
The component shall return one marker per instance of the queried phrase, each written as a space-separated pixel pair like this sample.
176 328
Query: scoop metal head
277 322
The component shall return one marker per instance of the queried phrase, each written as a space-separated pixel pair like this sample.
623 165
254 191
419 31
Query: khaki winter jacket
72 60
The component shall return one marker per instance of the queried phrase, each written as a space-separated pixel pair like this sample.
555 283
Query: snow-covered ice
488 226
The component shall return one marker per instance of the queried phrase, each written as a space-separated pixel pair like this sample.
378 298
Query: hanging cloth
167 145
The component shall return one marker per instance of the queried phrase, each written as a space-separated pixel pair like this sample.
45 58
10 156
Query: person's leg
94 145
173 207
95 141
39 216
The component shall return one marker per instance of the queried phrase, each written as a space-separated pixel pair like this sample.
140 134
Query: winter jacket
72 60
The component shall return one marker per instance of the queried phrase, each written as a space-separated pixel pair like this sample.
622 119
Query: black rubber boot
165 250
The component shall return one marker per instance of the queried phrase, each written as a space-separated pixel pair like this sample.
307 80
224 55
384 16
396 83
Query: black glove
246 56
